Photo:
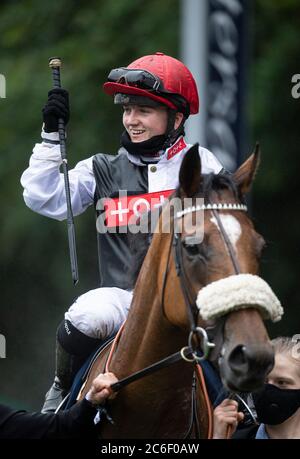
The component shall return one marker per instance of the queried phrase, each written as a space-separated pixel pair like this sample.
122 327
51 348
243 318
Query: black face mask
146 148
274 405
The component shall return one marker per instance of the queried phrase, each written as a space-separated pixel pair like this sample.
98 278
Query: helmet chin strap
147 148
171 133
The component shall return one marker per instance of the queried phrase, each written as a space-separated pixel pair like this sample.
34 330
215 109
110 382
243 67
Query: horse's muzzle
244 368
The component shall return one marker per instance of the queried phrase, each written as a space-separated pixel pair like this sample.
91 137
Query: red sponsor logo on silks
177 147
126 210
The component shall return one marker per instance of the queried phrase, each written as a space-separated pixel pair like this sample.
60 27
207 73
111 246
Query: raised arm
42 181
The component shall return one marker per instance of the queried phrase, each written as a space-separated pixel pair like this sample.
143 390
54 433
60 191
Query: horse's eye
192 249
193 245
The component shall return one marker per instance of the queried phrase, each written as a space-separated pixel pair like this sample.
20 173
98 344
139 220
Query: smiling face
143 122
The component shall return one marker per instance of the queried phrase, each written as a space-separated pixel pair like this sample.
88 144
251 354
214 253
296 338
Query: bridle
209 340
201 334
204 348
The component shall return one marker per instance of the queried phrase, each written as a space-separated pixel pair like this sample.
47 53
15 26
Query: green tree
275 116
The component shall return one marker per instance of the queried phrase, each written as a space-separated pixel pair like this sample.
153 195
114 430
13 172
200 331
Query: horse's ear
245 174
190 172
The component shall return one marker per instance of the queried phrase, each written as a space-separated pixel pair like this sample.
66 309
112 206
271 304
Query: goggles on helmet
136 77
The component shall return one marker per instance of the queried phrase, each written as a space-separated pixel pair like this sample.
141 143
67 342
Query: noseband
189 353
204 349
199 333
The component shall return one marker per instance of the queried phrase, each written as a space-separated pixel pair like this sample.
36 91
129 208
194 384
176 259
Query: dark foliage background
93 37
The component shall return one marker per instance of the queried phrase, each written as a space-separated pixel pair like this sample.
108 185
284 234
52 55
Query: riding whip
54 64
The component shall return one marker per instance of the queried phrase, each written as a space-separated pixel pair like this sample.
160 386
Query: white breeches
99 313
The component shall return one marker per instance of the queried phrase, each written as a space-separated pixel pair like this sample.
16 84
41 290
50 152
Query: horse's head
213 273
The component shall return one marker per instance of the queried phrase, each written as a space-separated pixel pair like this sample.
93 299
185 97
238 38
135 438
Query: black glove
56 107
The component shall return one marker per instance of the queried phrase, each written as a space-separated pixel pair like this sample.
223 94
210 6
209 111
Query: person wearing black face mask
277 404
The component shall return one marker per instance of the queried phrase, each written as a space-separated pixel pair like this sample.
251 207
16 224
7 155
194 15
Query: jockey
157 93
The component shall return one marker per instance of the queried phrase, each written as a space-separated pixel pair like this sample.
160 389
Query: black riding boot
72 350
67 366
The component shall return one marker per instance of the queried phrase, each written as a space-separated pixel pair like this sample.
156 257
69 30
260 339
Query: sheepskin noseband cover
238 292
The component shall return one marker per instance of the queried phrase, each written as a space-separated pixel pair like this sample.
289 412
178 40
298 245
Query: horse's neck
148 336
148 407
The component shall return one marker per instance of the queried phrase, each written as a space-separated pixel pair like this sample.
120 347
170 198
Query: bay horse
168 310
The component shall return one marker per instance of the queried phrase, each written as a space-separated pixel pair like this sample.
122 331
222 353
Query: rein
189 353
184 354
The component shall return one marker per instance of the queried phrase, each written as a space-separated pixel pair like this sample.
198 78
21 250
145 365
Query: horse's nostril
251 360
237 358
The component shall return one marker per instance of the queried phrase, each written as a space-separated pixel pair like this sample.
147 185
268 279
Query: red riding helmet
158 77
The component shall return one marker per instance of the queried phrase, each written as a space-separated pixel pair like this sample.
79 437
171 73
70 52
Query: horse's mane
139 243
218 183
